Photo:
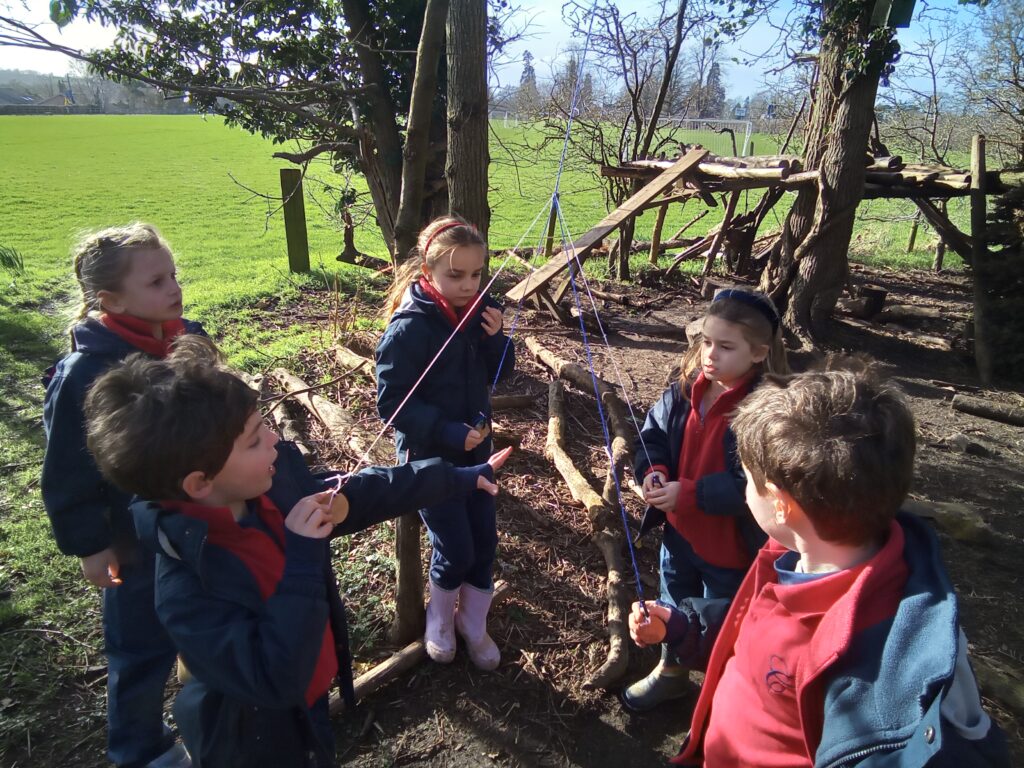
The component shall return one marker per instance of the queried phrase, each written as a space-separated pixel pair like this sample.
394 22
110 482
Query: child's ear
782 502
196 485
110 301
759 353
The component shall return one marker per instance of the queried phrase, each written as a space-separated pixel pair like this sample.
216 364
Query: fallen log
960 521
401 661
289 430
603 521
354 362
336 420
615 665
511 402
614 408
554 448
1007 414
1002 683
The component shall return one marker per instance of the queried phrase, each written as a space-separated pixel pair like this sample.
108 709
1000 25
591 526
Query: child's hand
496 461
653 480
648 632
474 437
491 319
311 516
663 498
101 568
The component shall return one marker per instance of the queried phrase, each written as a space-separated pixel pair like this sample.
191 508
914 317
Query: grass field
60 175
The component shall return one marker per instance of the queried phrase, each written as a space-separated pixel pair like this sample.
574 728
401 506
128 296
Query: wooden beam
730 209
627 210
659 222
953 237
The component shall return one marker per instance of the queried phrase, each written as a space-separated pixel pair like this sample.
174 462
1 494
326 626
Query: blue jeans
684 574
139 660
464 535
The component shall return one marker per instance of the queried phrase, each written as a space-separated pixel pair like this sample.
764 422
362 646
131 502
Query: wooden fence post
295 220
979 262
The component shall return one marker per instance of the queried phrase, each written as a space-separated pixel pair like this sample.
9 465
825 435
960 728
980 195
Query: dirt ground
534 711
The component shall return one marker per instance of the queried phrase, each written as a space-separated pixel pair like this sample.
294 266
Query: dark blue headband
761 303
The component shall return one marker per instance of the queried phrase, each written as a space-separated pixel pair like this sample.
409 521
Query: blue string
554 205
570 256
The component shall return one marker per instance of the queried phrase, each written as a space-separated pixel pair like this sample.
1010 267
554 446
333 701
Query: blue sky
549 41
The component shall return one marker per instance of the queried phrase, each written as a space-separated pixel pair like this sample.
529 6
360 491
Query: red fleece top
757 720
715 539
139 333
763 698
452 314
264 556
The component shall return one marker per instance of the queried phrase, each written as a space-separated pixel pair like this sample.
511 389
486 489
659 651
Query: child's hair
152 422
101 260
755 313
841 442
438 239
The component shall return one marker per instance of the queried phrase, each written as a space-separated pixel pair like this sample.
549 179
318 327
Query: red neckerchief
263 555
452 314
139 333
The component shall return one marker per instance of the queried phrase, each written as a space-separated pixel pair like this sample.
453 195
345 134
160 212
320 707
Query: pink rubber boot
439 638
471 623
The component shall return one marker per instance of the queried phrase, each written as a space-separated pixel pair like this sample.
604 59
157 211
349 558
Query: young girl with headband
692 478
443 410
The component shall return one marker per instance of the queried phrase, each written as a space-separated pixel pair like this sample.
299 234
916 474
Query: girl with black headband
692 478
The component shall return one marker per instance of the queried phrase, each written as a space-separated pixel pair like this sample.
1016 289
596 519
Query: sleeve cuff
657 468
466 477
304 556
676 626
453 434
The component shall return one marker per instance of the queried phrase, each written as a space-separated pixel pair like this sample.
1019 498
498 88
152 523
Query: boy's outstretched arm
382 493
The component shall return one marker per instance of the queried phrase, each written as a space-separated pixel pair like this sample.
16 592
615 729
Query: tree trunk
380 144
417 138
408 622
468 154
807 273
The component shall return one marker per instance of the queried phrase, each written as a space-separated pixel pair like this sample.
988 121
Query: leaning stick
401 661
615 665
622 446
609 543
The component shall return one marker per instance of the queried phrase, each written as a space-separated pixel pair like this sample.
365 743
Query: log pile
885 176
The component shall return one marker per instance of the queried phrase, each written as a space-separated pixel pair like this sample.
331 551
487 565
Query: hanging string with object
570 255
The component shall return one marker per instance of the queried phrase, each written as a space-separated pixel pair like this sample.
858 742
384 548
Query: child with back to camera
131 302
436 300
246 592
691 476
843 645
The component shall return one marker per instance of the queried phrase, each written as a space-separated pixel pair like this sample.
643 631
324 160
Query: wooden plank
952 236
628 209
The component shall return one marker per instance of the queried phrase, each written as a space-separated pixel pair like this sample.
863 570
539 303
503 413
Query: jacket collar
417 302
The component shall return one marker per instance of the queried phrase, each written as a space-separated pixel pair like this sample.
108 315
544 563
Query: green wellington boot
664 683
